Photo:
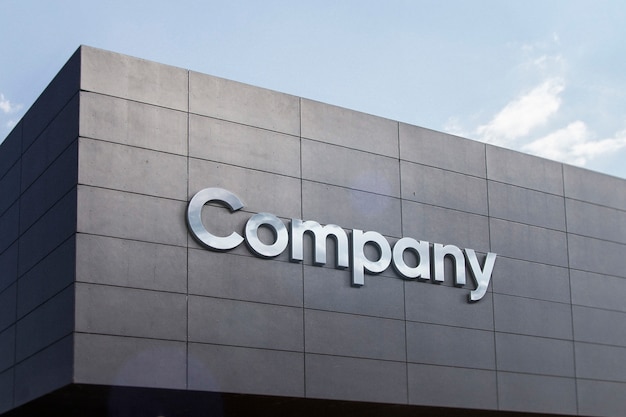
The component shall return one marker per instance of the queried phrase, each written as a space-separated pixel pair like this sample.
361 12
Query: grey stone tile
602 291
534 355
600 362
245 278
594 255
6 390
438 304
442 150
433 344
530 279
443 386
515 168
337 165
11 149
44 372
441 225
349 209
600 398
596 221
352 335
244 370
599 326
130 312
8 266
434 186
530 243
532 317
7 306
594 187
129 263
45 325
536 393
330 289
131 216
132 123
7 348
133 78
129 361
526 206
245 324
354 379
9 226
245 146
242 103
10 187
344 127
132 169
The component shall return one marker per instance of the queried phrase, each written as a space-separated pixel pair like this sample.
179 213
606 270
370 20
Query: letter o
280 235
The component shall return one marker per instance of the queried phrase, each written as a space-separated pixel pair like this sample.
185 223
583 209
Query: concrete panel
514 168
344 127
11 149
599 326
532 317
44 372
130 312
133 78
245 324
8 266
7 307
438 187
594 187
242 103
600 362
132 169
6 390
530 243
337 165
438 304
47 324
52 142
601 291
10 187
443 386
134 124
129 263
441 150
352 335
536 393
350 209
9 226
594 255
534 355
7 348
244 370
441 225
596 221
600 398
453 346
530 279
129 361
526 206
131 216
330 289
355 379
244 146
245 278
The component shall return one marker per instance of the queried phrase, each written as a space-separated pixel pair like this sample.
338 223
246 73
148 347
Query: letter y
481 276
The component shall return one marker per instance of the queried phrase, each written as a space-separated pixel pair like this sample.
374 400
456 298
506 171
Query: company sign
350 249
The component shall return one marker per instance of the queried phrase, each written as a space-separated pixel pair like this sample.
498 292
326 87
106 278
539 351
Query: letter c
194 218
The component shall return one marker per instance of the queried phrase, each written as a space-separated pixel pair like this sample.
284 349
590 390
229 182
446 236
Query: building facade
460 279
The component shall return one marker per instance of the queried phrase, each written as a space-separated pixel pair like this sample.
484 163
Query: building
111 305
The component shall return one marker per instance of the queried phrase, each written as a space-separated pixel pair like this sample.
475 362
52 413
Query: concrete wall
155 309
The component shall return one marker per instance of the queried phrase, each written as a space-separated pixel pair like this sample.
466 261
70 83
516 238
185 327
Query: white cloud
6 106
523 114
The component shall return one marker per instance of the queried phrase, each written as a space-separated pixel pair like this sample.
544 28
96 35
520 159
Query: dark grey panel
428 185
530 279
600 362
428 147
532 317
594 187
9 226
330 289
596 221
8 266
511 167
536 393
453 346
594 255
6 390
452 387
129 361
244 278
10 187
7 306
535 355
602 291
11 149
440 304
7 348
241 323
130 312
530 243
355 379
353 335
600 398
244 370
599 326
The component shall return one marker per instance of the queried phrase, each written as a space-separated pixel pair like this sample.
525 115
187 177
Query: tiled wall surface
102 283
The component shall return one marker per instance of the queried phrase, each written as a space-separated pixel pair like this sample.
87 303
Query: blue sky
543 77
